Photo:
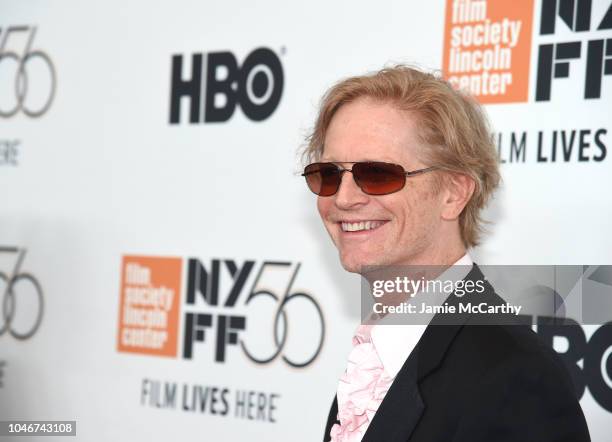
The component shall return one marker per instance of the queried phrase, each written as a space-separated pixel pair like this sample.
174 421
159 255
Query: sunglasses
372 177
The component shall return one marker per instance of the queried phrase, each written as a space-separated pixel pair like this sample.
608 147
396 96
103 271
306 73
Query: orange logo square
487 47
149 305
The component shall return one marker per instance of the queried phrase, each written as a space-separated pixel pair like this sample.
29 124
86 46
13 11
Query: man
403 164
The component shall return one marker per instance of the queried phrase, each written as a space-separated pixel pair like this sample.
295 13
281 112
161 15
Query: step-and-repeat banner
163 271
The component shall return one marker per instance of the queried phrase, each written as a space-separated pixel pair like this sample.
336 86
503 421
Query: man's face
405 227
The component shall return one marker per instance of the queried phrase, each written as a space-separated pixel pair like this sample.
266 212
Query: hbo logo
595 353
256 86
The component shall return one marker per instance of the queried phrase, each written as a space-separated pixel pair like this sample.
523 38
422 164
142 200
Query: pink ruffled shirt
379 352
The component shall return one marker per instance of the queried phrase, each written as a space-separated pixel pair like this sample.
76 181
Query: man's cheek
322 207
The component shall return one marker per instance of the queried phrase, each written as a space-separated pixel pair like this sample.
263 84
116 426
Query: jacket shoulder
492 347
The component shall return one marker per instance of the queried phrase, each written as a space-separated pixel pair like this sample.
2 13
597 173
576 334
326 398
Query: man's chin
355 265
352 268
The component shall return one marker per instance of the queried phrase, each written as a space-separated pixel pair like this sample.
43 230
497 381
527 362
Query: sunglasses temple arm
420 171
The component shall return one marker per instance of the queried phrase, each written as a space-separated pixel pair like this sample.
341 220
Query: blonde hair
451 124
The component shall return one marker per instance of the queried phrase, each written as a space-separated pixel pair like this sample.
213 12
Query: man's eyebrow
362 160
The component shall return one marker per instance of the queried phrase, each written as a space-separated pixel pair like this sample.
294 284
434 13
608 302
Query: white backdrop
102 179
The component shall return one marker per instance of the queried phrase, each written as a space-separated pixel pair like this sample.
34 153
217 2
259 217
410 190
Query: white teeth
363 225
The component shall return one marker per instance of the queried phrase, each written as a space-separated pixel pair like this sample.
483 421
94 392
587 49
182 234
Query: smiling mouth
360 226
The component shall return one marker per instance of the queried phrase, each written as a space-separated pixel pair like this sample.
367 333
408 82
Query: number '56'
27 76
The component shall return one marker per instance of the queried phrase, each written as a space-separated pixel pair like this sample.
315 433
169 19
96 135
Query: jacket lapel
331 419
402 407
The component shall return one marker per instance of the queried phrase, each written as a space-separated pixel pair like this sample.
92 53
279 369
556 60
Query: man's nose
349 193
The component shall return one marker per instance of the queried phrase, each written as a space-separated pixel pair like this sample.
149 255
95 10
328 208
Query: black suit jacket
470 382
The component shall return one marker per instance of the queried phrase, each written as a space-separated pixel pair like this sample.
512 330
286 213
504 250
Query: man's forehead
352 147
370 112
371 128
371 119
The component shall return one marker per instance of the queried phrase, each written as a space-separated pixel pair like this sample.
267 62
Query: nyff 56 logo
254 307
216 84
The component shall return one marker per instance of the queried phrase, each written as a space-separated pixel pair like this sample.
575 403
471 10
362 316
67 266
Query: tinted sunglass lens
323 179
379 178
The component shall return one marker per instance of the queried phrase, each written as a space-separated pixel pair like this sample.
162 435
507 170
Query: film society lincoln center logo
487 48
488 44
225 307
148 318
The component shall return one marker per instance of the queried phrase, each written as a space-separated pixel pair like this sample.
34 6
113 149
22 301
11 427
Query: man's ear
458 191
